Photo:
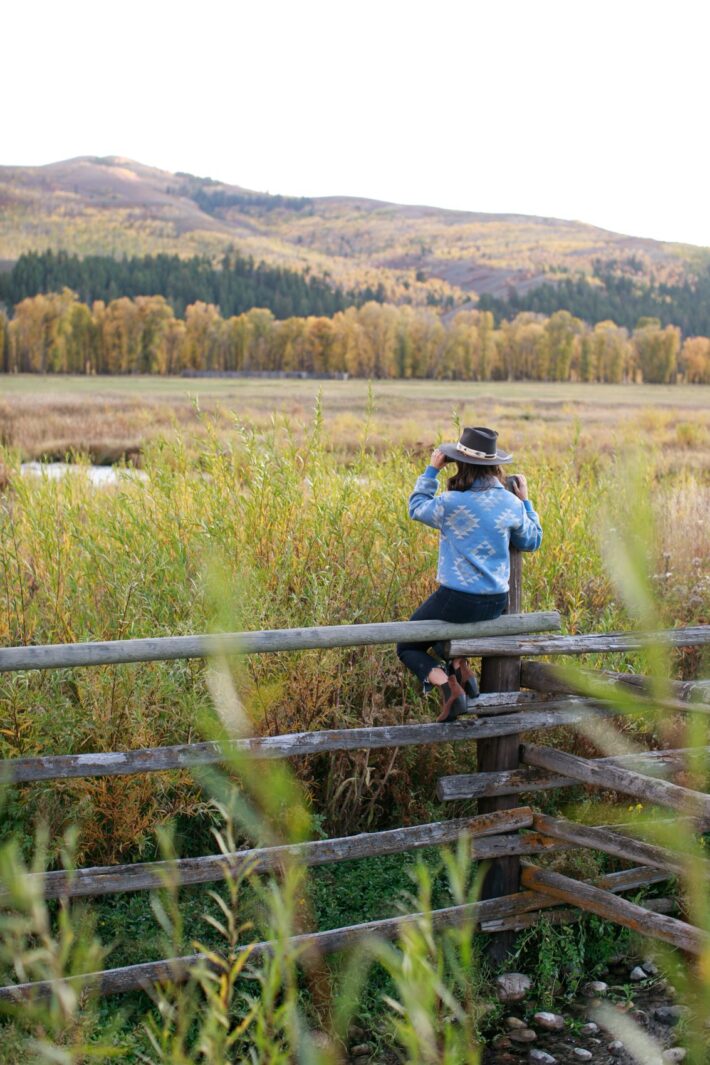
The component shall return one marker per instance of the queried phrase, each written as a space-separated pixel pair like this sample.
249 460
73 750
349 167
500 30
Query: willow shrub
292 536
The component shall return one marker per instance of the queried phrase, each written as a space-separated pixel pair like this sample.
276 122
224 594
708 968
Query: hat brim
499 459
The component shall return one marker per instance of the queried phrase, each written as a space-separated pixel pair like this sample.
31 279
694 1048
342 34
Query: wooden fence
517 696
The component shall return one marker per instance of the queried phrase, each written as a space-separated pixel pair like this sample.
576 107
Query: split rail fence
518 695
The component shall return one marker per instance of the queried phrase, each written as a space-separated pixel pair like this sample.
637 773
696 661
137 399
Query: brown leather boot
466 678
453 700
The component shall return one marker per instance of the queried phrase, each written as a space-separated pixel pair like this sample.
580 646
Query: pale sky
595 111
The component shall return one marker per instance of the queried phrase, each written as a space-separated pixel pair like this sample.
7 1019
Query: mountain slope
116 206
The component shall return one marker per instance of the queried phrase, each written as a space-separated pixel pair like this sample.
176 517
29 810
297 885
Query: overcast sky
595 111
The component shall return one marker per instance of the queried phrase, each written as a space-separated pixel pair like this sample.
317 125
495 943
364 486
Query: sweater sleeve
422 504
528 535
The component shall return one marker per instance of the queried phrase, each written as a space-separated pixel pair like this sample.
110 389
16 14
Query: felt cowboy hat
478 446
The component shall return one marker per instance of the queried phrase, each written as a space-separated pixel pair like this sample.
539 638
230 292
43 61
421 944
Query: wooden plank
603 775
511 782
141 876
526 779
597 643
145 974
166 648
606 905
544 677
184 756
620 845
500 702
501 753
519 922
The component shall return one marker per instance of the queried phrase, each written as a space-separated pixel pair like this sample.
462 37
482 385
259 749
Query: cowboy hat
477 446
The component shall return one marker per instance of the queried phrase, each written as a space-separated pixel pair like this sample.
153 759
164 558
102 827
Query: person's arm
422 504
528 535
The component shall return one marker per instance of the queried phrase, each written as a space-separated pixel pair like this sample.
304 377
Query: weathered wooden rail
167 648
501 833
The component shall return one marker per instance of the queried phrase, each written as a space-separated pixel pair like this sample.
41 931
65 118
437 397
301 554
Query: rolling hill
118 207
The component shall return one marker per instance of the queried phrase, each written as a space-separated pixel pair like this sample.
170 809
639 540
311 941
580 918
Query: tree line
58 333
617 291
235 285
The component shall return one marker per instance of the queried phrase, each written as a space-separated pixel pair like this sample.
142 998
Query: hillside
119 207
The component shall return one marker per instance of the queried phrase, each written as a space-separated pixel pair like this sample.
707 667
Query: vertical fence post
501 675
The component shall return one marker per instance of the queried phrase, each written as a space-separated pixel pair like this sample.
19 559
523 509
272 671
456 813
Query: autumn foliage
56 333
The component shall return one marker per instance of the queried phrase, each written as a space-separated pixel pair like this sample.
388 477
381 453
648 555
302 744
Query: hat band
475 454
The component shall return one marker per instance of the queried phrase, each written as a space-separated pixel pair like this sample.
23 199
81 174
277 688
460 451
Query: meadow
110 418
277 504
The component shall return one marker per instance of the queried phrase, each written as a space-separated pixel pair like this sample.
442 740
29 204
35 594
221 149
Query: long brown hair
467 474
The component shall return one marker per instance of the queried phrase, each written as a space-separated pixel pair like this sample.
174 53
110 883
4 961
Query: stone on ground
512 987
541 1057
553 1022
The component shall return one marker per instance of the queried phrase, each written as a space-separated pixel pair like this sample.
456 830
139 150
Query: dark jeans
447 604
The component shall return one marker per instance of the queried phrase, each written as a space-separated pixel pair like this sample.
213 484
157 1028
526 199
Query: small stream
98 475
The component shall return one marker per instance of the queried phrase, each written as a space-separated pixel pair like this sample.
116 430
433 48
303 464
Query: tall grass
295 537
270 533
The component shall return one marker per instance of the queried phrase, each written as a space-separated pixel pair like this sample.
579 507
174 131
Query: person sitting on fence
478 521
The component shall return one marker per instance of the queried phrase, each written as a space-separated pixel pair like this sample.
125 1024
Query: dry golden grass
111 418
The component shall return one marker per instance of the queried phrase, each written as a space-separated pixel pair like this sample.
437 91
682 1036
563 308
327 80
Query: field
114 416
277 504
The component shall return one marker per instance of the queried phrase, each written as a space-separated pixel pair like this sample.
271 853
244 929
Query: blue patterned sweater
476 529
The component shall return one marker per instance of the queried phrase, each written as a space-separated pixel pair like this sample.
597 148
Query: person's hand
520 488
438 459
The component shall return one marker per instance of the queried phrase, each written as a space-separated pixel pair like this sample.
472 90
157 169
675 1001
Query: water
98 475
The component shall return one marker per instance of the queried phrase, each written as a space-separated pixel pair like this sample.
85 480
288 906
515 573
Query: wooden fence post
493 755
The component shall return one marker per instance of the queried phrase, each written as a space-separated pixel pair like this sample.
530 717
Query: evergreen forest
619 291
235 285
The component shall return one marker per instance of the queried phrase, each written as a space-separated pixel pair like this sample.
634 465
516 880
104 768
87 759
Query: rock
650 966
515 1022
523 1035
356 1032
637 974
512 987
541 1057
589 1029
501 1042
640 1016
581 1054
616 1048
670 1015
553 1022
321 1040
674 1054
361 1051
594 988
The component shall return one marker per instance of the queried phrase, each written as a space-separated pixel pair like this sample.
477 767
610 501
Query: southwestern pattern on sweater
477 528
